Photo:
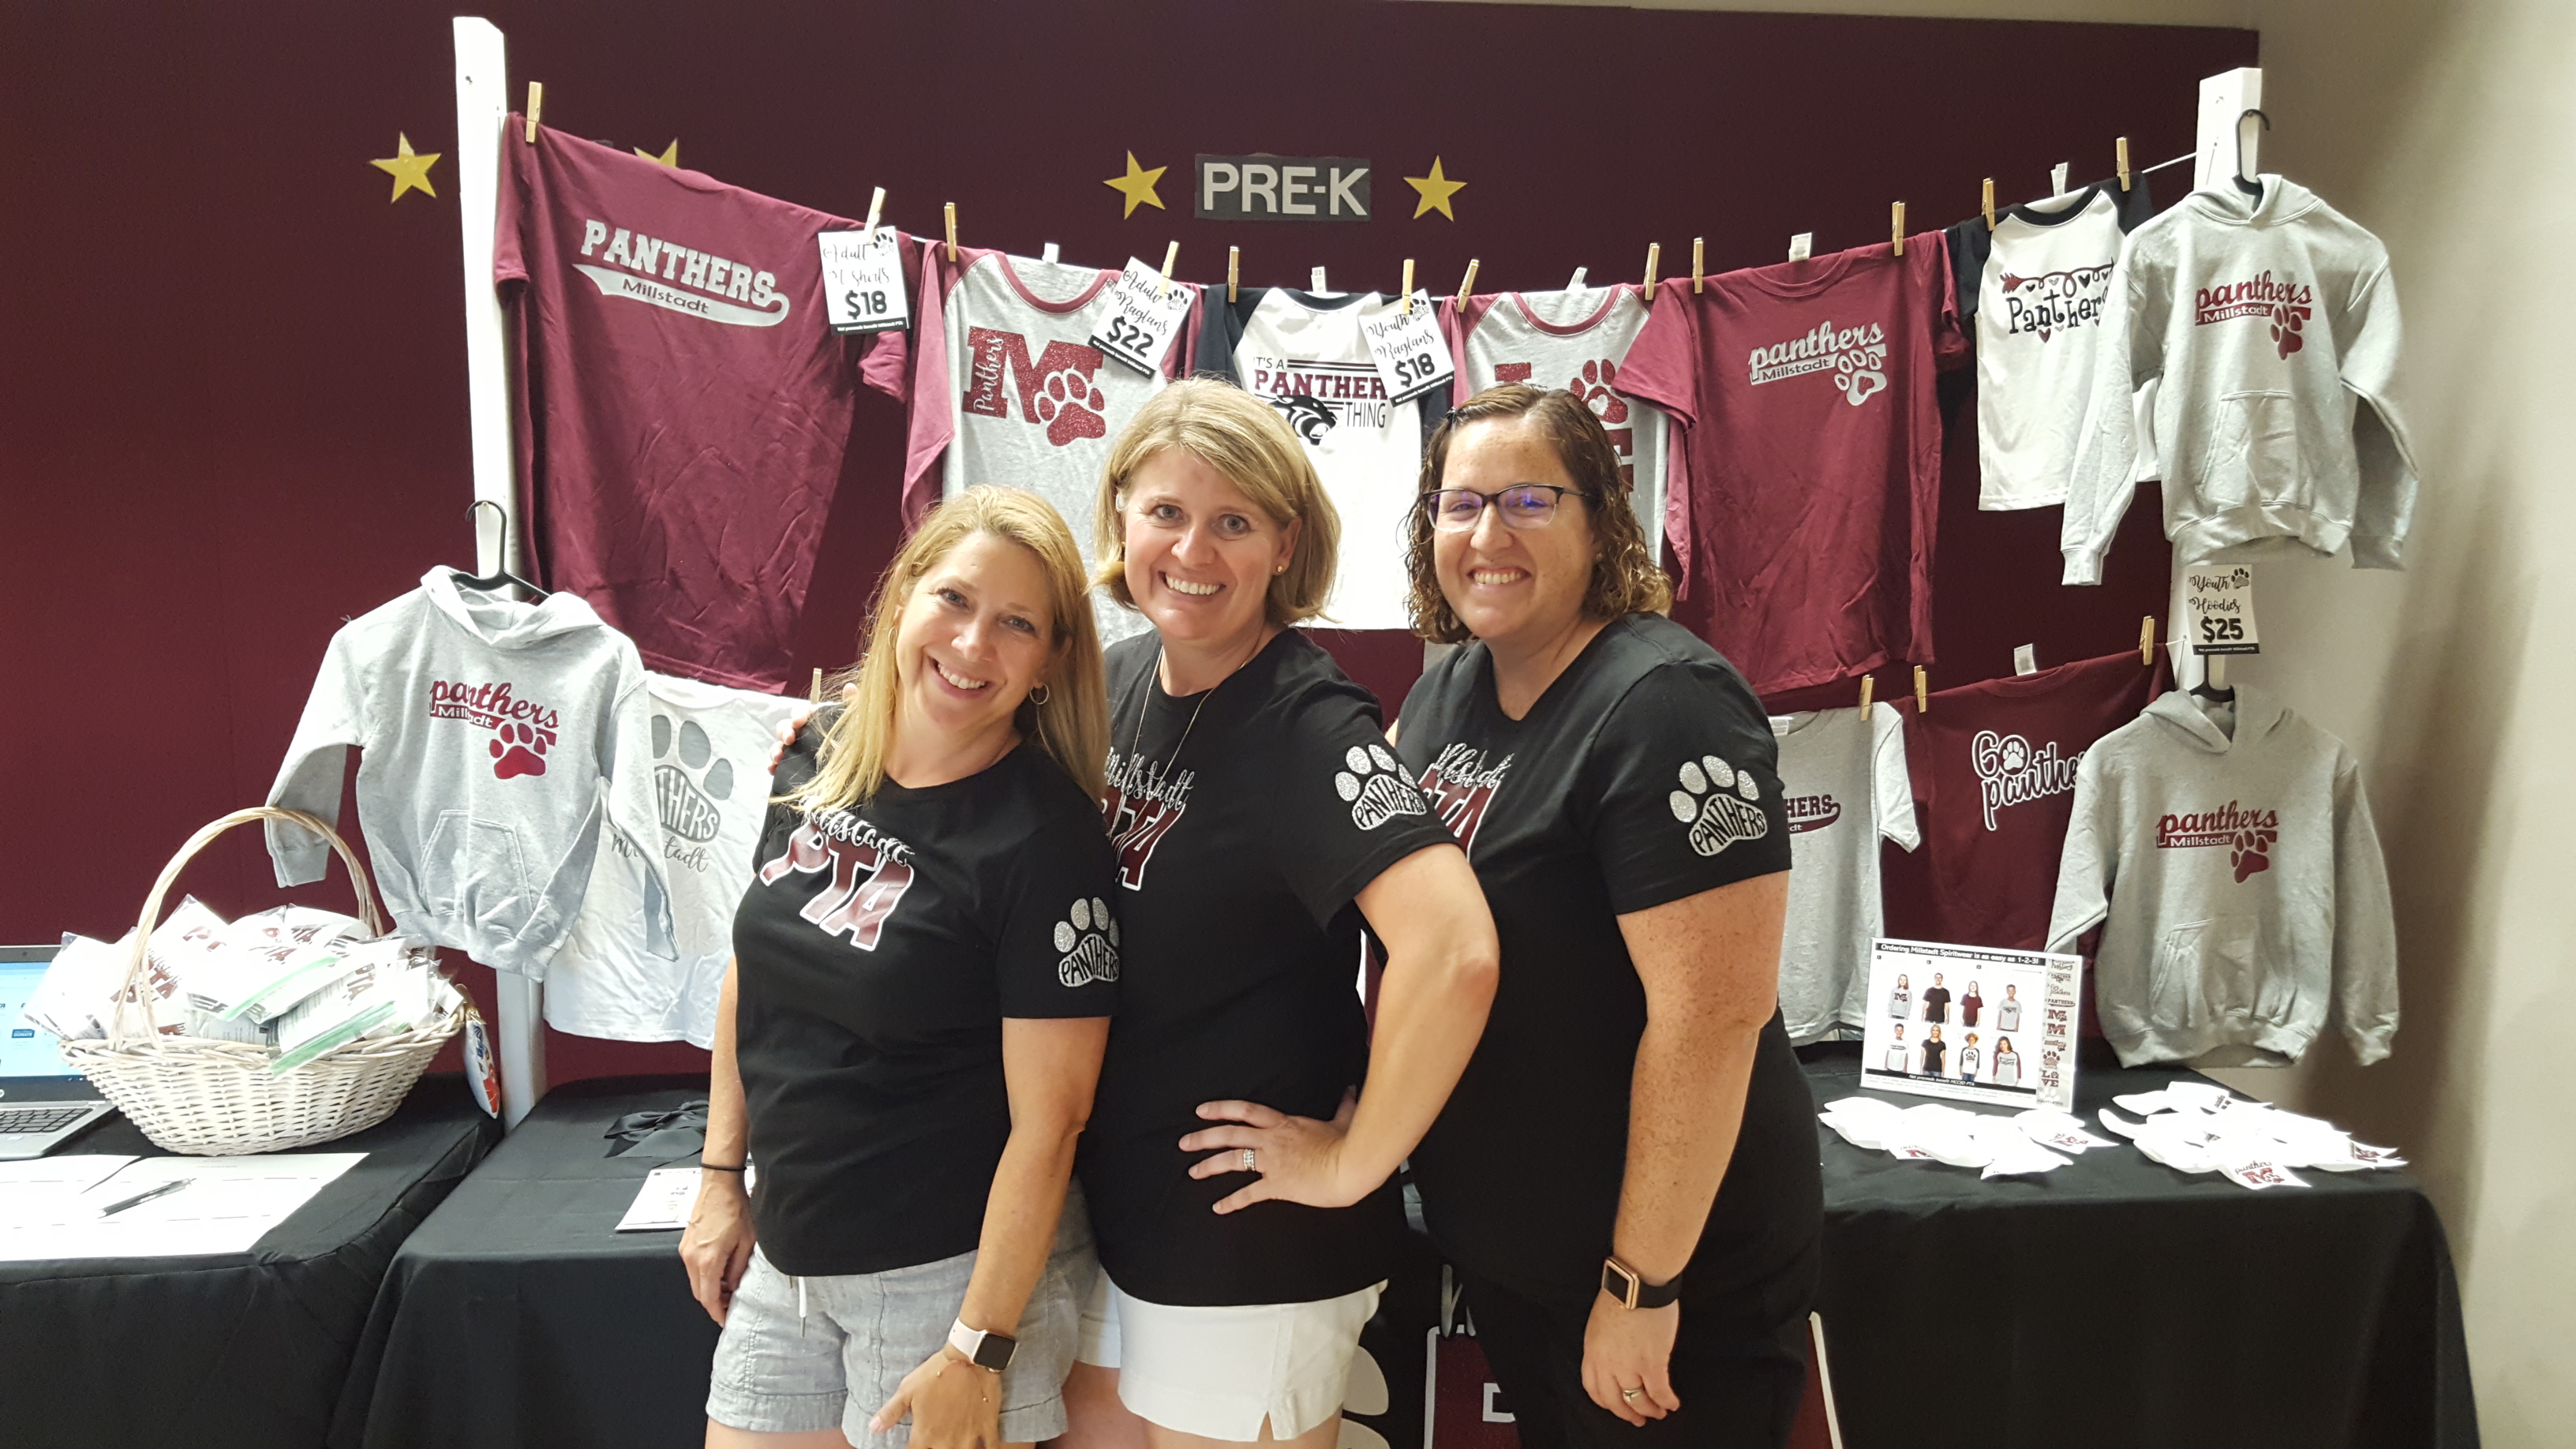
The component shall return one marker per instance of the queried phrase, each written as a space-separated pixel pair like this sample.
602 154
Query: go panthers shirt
1006 388
1644 775
1246 821
878 950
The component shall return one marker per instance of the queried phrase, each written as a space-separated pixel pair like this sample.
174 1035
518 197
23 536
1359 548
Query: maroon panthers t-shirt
1812 437
684 409
1994 773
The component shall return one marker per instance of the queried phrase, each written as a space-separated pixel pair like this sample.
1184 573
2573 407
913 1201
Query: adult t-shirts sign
1812 438
1993 766
684 405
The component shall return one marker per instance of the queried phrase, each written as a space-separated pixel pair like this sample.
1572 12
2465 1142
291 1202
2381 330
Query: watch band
1632 1290
982 1347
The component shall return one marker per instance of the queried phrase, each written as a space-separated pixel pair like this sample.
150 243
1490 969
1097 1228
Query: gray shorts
834 1365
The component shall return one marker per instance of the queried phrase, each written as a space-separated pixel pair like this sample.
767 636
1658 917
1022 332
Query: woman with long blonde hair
913 1023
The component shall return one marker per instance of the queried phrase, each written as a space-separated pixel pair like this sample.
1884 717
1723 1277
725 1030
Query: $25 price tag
1411 357
863 281
1140 325
2218 603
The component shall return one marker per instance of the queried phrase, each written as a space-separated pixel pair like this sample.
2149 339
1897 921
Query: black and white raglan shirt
1644 775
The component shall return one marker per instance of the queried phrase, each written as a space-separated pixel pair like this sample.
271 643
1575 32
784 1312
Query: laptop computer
42 1100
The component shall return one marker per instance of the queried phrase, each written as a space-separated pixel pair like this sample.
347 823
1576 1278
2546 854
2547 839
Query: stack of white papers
2013 1146
668 1196
55 1207
2196 1127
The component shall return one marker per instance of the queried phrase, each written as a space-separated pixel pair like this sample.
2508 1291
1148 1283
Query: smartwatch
1623 1283
985 1350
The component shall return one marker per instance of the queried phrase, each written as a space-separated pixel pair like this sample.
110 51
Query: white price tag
1140 324
1411 357
863 281
2218 600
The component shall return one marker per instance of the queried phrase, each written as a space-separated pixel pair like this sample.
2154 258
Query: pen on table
140 1198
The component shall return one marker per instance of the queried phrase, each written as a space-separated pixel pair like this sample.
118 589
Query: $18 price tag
2218 603
1411 357
1140 324
863 281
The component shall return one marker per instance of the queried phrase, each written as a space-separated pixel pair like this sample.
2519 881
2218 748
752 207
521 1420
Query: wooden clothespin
1922 691
1989 203
2147 641
2120 154
814 694
1868 683
1654 258
1698 274
1171 254
949 209
876 208
1467 283
1408 286
1896 226
1233 270
536 104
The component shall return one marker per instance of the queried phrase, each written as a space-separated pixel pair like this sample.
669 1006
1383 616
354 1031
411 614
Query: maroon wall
232 378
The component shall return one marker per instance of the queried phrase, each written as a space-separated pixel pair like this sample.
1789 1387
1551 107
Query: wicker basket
217 1098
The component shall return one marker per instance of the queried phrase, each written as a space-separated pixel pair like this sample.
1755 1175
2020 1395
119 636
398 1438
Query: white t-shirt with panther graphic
1846 786
1007 389
1304 354
1574 340
711 749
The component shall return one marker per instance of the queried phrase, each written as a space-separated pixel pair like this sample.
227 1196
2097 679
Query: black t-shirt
878 951
1933 1051
1242 840
1644 775
1936 1004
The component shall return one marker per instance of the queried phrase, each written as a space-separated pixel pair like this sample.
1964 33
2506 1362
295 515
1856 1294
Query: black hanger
2251 188
500 577
2223 694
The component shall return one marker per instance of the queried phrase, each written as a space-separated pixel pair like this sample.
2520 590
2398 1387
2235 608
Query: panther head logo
1311 417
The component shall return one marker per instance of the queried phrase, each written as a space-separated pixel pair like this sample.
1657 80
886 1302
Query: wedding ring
1251 1161
1630 1394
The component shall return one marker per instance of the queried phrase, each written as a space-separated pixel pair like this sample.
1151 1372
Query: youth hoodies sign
488 729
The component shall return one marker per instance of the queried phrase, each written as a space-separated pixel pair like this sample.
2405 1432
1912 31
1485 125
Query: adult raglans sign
1282 188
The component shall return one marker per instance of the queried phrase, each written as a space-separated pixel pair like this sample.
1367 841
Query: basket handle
131 1019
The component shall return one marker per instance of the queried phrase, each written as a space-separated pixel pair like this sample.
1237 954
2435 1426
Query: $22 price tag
2218 603
863 281
1145 314
1411 357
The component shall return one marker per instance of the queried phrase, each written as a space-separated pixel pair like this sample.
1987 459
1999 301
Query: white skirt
1220 1372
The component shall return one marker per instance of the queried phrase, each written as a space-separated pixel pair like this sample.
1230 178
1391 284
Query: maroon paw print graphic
2287 322
1594 385
1070 406
520 749
2251 851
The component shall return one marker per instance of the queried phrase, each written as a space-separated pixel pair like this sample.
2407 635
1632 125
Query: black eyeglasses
1523 505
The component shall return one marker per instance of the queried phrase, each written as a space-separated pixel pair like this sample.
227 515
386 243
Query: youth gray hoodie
2226 851
2267 326
497 737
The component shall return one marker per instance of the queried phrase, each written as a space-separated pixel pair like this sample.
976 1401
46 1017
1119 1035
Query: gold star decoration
1436 190
1137 186
669 157
407 168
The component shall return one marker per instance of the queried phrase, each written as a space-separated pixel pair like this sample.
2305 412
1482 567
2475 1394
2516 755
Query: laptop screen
25 1051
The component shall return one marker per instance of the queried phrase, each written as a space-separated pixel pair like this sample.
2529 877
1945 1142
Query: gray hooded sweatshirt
2271 331
498 738
2226 851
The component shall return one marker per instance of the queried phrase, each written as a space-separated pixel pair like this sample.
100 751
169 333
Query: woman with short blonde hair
911 1029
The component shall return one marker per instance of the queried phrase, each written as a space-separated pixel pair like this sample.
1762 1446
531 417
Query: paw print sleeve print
1059 951
1692 796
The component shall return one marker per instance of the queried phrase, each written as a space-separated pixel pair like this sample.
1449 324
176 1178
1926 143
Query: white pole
482 105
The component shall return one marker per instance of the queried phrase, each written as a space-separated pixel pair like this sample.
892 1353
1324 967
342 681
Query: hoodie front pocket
2254 457
474 871
2204 971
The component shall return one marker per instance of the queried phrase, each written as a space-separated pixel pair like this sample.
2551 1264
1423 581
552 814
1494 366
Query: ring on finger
1630 1394
1250 1160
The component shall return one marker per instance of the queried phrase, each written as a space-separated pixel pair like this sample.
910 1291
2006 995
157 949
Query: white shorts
1220 1372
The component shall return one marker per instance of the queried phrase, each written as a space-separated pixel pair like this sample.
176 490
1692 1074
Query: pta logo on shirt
2054 301
870 872
1856 355
635 266
2287 304
1142 808
1317 397
1811 812
1056 392
2012 773
1461 785
2248 835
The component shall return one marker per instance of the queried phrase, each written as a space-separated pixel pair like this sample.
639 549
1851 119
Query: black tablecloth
2112 1302
232 1348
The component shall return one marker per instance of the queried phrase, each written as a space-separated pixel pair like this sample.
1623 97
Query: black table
245 1349
2112 1302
